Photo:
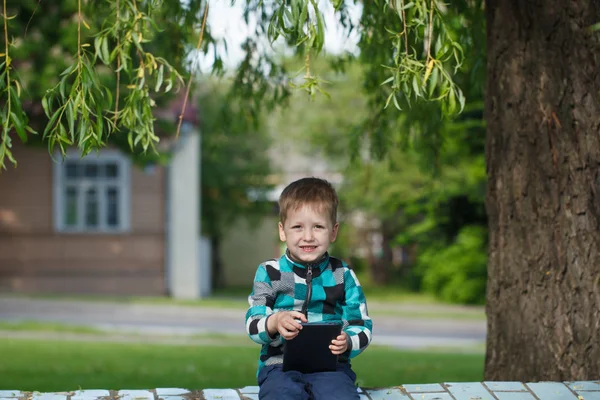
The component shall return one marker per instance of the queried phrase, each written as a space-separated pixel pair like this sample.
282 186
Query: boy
306 284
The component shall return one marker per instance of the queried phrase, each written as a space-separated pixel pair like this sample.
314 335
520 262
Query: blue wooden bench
587 390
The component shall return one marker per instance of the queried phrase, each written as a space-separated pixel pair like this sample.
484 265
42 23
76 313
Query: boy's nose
308 235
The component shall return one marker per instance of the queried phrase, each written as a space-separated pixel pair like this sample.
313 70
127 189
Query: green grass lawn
36 326
40 365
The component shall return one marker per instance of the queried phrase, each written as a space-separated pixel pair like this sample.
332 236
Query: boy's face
307 232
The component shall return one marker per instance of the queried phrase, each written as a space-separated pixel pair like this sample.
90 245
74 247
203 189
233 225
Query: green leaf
433 81
396 103
68 70
388 80
97 44
594 28
415 85
159 81
320 30
83 128
45 105
451 102
99 125
61 87
50 128
409 5
19 126
302 19
387 102
70 117
461 99
105 52
124 62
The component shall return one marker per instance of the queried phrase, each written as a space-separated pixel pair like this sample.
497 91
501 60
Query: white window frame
124 190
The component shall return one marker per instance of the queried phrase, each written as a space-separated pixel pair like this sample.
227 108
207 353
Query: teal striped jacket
327 290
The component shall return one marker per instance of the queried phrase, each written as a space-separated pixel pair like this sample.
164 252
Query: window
92 194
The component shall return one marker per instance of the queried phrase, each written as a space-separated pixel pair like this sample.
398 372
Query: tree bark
543 204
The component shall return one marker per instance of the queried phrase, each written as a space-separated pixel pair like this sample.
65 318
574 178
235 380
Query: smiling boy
307 284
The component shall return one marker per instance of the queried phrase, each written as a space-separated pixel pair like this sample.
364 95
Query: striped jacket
327 290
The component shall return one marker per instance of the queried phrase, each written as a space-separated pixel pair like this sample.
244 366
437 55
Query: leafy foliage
82 107
420 173
234 163
81 116
235 167
458 272
108 69
96 80
12 115
461 22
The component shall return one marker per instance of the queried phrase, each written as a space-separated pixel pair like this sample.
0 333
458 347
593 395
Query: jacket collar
320 264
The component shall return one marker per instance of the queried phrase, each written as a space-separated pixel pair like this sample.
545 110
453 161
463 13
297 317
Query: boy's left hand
340 344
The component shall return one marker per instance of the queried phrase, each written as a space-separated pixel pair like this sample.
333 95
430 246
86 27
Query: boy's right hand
286 323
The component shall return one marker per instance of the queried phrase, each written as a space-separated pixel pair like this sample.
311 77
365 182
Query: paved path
151 319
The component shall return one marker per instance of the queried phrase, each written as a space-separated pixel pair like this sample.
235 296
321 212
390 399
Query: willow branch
6 65
307 64
405 31
118 89
189 85
79 31
430 38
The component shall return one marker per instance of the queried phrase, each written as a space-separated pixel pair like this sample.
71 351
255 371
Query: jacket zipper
309 274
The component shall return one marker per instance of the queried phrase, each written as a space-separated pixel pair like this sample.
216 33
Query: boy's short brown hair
309 191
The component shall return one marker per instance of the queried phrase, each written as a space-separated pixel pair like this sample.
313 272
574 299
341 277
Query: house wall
35 258
245 246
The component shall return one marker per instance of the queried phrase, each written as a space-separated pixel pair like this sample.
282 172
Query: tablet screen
309 351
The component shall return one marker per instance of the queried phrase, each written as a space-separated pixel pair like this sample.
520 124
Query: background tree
543 158
234 166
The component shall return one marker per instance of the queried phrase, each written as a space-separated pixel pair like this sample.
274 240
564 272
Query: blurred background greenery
411 187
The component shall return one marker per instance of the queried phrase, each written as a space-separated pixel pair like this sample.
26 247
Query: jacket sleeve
261 302
357 323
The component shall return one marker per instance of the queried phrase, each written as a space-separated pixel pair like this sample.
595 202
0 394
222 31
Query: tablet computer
309 351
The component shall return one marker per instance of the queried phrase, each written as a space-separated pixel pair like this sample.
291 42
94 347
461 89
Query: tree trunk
217 268
543 196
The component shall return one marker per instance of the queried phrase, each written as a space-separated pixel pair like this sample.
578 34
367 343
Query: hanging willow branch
81 110
76 106
413 77
118 70
189 85
12 116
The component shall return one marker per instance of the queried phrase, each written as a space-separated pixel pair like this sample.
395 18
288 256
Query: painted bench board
586 390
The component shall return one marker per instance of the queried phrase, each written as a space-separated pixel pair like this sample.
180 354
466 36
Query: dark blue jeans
292 385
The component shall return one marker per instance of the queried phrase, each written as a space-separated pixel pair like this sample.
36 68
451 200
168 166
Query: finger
282 331
338 342
294 324
291 325
298 315
290 335
341 337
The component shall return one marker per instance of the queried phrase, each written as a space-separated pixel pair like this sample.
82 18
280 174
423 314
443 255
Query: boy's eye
296 227
319 226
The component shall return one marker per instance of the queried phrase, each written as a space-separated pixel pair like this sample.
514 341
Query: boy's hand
340 344
285 322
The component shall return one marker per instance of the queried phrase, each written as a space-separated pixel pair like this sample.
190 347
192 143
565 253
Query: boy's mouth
308 249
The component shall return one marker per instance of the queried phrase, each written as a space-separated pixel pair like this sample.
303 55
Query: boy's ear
334 232
281 232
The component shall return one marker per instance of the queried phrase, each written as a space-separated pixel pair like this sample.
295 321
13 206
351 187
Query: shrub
457 273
